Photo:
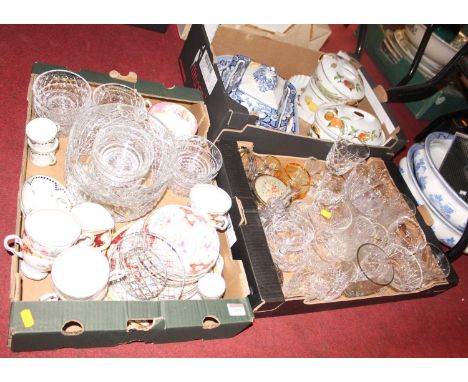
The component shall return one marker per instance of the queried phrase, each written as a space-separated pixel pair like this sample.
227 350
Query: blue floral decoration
419 165
422 180
438 202
450 241
266 78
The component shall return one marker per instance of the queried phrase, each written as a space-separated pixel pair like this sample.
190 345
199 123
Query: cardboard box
36 325
230 120
445 100
266 296
308 36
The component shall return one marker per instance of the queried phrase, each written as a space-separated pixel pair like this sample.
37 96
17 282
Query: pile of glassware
352 235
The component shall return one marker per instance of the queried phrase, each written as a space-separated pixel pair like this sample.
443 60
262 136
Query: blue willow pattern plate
232 68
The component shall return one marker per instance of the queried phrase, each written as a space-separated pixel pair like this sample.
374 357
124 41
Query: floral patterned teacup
212 202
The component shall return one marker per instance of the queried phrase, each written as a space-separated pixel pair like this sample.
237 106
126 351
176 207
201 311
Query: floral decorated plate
262 91
353 123
190 234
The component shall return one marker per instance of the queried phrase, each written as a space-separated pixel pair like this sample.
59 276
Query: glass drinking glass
329 280
288 235
61 96
375 271
331 219
407 233
344 155
198 162
297 177
408 275
434 263
330 189
397 206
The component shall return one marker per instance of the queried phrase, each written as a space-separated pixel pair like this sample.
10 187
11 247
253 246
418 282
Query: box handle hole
72 328
140 325
210 322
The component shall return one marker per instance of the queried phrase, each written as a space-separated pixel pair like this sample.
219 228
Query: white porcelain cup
212 202
81 273
41 131
211 286
97 221
48 232
42 159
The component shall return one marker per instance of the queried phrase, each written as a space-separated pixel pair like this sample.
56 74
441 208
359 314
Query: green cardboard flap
144 87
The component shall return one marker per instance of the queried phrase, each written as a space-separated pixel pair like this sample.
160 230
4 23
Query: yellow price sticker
26 316
326 214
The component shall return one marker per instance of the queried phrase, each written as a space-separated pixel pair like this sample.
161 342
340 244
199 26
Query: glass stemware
344 155
375 271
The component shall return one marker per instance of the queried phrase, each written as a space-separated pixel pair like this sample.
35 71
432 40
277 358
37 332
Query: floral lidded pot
356 124
339 74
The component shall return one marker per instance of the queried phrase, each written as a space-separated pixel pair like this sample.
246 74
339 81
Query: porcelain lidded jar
351 122
338 79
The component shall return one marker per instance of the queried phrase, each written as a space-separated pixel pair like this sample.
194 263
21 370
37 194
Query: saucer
40 191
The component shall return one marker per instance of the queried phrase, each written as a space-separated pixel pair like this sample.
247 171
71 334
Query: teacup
47 233
97 221
41 131
42 159
212 202
81 273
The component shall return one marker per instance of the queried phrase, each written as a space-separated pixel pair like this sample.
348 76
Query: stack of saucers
420 170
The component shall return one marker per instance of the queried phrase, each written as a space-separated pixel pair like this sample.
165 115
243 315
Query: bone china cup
212 202
81 273
47 232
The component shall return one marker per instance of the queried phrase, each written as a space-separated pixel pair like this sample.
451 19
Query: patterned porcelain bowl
435 189
443 230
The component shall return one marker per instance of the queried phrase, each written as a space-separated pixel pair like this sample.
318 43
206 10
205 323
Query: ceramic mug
81 273
95 220
212 202
42 159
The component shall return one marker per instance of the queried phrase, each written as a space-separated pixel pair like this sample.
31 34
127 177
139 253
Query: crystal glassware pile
353 235
121 158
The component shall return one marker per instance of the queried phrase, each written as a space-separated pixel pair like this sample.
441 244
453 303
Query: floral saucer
190 234
262 91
